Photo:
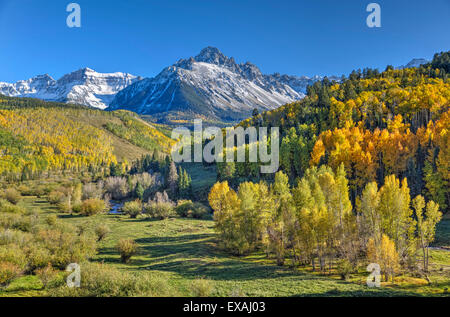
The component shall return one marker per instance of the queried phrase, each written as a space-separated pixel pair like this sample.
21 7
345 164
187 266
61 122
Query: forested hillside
364 176
39 137
375 123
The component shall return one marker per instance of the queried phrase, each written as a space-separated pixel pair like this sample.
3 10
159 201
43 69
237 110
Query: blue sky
298 37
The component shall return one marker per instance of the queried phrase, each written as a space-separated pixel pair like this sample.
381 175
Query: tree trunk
322 263
424 259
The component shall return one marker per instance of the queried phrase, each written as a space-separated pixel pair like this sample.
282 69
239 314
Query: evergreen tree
139 191
172 179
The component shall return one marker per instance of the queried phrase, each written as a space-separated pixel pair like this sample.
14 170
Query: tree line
315 223
376 123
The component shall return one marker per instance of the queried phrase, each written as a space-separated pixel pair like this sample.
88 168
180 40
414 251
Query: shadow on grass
372 292
72 216
196 255
441 285
227 270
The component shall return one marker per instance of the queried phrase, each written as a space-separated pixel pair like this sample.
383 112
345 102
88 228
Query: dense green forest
375 123
364 175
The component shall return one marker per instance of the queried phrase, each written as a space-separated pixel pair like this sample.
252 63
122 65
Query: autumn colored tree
426 224
385 254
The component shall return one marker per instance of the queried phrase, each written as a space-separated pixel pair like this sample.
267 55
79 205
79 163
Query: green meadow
184 251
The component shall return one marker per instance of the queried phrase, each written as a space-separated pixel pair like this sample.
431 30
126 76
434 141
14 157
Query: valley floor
183 250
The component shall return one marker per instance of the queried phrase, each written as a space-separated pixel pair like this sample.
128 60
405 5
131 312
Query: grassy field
183 250
443 233
203 178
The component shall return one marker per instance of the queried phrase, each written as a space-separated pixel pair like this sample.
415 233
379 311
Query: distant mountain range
84 86
210 86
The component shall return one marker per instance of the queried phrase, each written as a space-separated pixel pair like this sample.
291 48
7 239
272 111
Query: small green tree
139 191
426 225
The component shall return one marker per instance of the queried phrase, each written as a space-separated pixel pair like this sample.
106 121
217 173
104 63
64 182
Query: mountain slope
84 86
210 85
416 62
38 136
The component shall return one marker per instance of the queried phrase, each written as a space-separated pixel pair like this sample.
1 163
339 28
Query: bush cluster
132 208
189 209
101 280
91 207
29 246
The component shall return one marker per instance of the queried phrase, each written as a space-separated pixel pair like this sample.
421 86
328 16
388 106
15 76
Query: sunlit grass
185 249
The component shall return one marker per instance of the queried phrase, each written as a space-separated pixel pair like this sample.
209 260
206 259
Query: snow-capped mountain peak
209 84
416 62
212 55
212 85
84 86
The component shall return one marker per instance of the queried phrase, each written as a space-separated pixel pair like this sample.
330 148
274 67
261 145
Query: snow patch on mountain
212 84
416 62
84 86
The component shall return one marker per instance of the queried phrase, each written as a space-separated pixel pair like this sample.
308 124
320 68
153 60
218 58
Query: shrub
158 210
132 208
58 245
64 246
51 220
188 209
64 205
37 191
82 228
344 268
76 208
16 221
8 272
38 257
12 253
201 211
93 190
117 187
201 288
127 248
145 179
46 275
161 207
100 280
55 197
13 196
184 208
92 207
8 236
7 207
101 231
25 190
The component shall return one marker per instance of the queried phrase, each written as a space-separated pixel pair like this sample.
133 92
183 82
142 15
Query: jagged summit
212 55
210 84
